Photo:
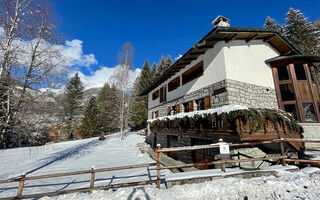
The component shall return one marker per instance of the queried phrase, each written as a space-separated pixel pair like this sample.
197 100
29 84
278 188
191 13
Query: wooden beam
188 59
269 38
224 162
184 63
231 38
197 53
289 52
205 47
252 38
214 39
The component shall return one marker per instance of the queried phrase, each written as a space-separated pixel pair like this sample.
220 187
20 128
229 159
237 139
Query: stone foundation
311 131
235 154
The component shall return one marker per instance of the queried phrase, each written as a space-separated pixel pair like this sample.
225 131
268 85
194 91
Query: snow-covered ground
75 156
287 185
81 154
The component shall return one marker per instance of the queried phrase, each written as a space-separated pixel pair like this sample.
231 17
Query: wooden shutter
169 111
207 102
190 106
178 108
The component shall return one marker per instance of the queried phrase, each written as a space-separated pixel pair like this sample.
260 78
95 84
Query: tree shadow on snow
64 154
130 197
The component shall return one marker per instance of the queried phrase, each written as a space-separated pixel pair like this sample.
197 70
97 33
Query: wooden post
92 178
283 161
20 188
223 167
158 166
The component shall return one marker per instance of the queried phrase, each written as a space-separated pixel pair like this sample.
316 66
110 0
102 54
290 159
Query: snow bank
75 156
219 173
287 185
218 111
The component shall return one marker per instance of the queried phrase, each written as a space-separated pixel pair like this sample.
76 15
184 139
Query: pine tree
90 123
138 107
105 108
273 25
154 71
297 29
145 77
115 95
168 62
303 33
72 109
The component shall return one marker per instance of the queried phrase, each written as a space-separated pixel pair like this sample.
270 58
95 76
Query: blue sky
155 28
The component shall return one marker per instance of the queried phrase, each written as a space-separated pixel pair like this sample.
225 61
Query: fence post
283 162
20 188
158 166
92 178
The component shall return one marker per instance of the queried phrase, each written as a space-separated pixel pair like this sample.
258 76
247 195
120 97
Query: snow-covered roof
219 110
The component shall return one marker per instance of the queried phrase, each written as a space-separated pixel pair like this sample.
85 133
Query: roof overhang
283 60
226 34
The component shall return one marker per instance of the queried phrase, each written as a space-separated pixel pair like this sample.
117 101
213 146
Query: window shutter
190 106
207 102
178 108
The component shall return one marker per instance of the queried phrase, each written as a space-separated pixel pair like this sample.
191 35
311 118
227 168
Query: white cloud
73 51
102 75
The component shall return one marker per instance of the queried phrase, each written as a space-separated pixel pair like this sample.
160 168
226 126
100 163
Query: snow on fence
283 158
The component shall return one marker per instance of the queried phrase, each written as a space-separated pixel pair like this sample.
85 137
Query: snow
219 110
315 155
75 156
219 173
304 184
112 152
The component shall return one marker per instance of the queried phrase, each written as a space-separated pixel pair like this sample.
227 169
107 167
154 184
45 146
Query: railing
283 158
93 171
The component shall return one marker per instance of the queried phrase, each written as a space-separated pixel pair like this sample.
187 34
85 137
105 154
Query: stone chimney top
221 21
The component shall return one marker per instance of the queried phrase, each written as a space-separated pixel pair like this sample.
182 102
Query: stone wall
235 92
250 95
185 156
222 100
311 131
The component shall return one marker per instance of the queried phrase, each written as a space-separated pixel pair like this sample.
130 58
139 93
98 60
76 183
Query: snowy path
287 185
75 156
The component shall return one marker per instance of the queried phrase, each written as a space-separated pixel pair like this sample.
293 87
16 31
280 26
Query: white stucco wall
245 62
236 60
214 71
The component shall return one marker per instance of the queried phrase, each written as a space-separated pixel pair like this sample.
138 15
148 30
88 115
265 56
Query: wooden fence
283 158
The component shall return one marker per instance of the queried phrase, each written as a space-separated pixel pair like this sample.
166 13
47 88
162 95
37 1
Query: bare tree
32 59
122 80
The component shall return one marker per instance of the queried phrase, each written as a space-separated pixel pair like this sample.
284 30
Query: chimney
221 21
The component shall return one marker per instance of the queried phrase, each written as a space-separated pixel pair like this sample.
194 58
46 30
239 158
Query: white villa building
253 67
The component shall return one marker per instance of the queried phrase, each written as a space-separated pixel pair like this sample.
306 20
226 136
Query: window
200 104
155 95
219 91
156 114
193 73
283 73
188 106
163 94
300 73
174 84
287 92
174 110
308 111
291 108
312 73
